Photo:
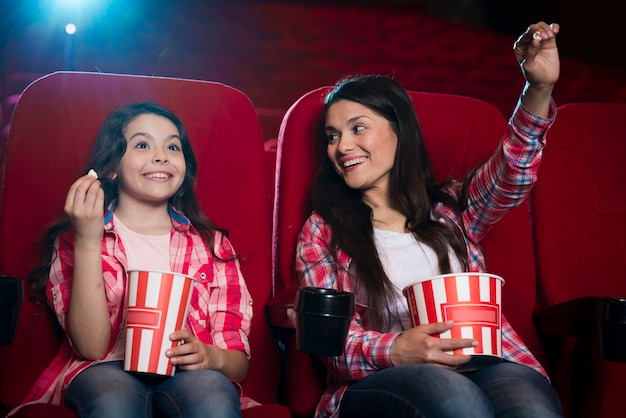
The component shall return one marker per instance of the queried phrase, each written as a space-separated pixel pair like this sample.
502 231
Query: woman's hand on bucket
420 345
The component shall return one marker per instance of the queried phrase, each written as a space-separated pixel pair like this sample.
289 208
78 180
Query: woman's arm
365 351
508 176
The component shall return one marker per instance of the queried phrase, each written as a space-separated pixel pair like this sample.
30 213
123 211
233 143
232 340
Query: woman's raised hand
537 54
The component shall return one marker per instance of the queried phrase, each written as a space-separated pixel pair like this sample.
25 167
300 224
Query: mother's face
361 145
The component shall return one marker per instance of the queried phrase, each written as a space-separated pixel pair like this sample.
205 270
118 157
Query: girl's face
361 145
153 166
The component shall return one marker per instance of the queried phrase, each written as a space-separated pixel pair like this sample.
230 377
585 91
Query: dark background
275 51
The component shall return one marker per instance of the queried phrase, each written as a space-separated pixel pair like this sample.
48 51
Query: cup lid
613 309
325 301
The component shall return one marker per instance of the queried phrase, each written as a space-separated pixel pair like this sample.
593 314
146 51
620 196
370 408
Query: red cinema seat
458 132
579 229
52 131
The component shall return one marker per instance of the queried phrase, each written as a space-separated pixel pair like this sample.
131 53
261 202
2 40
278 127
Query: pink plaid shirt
219 314
502 183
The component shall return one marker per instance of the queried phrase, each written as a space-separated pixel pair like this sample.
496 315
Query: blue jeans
106 390
424 391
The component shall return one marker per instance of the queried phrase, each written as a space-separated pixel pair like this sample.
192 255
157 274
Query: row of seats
534 247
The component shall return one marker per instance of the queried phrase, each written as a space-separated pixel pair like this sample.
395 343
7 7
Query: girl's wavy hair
413 192
109 148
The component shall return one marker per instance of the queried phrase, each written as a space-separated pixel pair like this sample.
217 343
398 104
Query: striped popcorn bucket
472 301
157 306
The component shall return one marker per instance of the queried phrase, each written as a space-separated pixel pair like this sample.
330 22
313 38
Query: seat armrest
11 299
573 318
602 319
281 310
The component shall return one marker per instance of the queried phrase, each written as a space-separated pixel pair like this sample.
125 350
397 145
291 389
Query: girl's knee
201 390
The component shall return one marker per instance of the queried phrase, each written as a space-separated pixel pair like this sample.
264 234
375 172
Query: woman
380 222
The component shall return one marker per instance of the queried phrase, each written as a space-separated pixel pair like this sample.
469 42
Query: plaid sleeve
230 302
59 285
315 265
505 180
514 349
365 351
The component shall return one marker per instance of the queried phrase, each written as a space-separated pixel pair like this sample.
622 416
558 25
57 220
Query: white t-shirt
144 252
406 261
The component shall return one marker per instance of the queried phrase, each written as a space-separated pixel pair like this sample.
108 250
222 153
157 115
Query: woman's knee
516 390
423 390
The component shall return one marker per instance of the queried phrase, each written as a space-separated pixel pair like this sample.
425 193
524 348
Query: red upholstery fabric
579 227
52 131
581 196
458 132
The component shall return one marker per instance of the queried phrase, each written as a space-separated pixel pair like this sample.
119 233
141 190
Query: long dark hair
109 148
413 192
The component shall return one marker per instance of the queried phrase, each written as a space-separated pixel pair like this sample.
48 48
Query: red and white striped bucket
472 300
157 306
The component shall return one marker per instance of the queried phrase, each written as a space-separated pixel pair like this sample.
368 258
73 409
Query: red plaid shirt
220 311
502 183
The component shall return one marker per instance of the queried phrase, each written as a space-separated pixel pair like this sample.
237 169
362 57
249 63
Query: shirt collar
179 221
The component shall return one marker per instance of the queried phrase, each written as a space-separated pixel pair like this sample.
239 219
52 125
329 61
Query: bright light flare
70 28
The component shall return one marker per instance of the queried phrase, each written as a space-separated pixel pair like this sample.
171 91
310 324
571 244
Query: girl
140 212
381 222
